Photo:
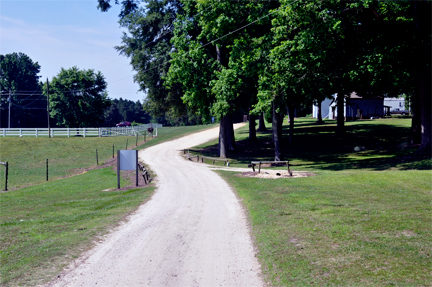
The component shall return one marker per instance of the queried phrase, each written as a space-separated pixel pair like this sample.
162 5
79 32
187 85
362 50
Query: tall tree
19 85
78 98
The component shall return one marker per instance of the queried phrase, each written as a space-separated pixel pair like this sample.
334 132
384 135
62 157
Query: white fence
80 132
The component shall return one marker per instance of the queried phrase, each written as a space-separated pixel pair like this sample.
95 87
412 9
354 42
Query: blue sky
62 33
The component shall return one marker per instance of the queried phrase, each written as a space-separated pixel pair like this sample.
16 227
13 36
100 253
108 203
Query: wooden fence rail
226 162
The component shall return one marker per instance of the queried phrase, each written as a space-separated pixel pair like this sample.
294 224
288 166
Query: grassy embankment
365 219
45 226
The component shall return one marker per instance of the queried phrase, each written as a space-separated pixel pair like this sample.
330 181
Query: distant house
394 103
355 107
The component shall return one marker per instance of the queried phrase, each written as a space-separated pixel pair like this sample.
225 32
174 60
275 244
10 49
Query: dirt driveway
193 232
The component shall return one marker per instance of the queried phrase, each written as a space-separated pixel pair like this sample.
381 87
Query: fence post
4 132
97 159
6 175
52 133
68 132
136 140
113 151
84 131
36 132
20 132
127 143
46 169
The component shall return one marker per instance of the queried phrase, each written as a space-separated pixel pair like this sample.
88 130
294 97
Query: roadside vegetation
47 225
364 219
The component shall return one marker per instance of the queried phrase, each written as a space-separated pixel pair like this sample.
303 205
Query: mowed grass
364 219
27 156
45 226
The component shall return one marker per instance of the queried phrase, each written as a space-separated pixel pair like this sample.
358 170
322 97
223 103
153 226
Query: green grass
45 226
364 219
27 156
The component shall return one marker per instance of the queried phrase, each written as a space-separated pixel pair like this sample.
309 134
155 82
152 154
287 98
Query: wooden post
136 140
127 143
6 175
97 159
197 158
145 137
259 168
113 151
136 171
118 169
213 161
46 169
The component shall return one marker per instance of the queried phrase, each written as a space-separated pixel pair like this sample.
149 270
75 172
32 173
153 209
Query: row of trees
77 98
215 58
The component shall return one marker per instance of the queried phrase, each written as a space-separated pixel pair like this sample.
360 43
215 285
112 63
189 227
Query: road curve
193 232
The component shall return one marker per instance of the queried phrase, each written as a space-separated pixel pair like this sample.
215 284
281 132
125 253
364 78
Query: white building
395 103
355 107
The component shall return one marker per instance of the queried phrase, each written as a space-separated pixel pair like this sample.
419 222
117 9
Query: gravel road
193 232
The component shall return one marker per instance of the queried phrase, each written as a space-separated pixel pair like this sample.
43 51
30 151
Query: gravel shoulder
193 232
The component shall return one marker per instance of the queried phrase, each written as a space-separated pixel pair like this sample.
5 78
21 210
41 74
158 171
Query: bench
259 163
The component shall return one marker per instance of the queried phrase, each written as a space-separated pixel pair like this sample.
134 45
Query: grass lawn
364 219
45 226
27 155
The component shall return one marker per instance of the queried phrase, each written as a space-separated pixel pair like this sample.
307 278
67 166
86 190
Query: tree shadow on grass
366 145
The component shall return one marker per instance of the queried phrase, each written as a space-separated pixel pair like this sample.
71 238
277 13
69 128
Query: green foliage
148 46
19 76
125 110
226 89
78 98
19 72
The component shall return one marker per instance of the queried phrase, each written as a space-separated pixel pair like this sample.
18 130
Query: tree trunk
422 25
340 114
252 129
425 111
261 125
291 110
416 119
319 116
230 132
223 141
277 134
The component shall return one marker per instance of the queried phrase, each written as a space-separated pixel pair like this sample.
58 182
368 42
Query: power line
230 33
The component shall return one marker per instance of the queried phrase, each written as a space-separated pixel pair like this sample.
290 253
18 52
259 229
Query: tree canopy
234 56
19 85
78 98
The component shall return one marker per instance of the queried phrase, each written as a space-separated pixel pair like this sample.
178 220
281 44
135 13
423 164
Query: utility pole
49 133
9 99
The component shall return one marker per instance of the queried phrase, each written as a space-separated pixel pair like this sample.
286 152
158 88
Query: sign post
127 160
